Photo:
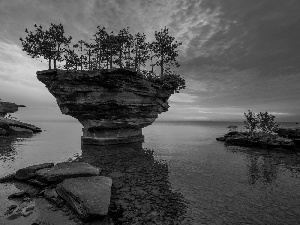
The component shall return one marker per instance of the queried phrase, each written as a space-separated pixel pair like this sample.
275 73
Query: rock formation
11 127
8 107
112 105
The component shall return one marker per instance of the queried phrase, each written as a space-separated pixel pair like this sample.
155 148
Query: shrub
261 122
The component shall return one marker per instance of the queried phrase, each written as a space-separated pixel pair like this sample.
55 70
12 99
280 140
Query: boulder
3 131
8 107
19 131
88 196
7 178
15 123
242 141
65 170
30 171
112 105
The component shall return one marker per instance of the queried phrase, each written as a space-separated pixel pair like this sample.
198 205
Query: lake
219 184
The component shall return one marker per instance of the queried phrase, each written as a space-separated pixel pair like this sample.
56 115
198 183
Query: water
220 185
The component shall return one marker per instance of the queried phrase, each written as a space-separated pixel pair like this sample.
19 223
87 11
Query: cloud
236 54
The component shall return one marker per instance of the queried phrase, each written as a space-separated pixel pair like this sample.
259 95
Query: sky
237 55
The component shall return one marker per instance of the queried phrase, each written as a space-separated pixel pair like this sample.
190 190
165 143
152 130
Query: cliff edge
112 105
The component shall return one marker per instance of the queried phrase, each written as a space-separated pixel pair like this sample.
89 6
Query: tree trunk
54 61
89 59
49 63
162 65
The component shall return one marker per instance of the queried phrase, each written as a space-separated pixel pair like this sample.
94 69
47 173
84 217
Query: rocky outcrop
89 196
112 105
30 171
258 140
75 185
65 170
11 126
8 107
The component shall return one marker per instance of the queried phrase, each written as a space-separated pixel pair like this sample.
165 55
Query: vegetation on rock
260 123
108 51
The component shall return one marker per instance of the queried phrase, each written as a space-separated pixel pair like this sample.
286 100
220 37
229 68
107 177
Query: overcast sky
236 54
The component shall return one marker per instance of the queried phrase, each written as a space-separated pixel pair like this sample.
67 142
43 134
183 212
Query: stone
116 175
88 196
8 107
7 178
30 171
112 105
221 139
19 131
19 194
16 123
65 170
3 131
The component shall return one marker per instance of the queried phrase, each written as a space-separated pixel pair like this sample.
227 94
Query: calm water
221 185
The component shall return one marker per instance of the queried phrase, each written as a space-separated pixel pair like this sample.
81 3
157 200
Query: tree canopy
107 51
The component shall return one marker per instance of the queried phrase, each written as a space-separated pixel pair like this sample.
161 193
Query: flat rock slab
65 170
88 196
30 171
16 123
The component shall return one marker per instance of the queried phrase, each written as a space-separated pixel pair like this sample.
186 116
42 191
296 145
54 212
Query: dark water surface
220 185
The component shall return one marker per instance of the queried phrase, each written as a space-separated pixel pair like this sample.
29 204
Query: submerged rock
88 196
65 170
30 171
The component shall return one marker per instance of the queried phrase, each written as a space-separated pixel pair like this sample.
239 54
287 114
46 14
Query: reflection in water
8 147
141 192
264 165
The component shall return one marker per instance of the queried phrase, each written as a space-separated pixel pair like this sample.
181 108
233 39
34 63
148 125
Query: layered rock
88 196
8 107
112 105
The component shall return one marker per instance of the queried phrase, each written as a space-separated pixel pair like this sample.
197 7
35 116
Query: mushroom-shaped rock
88 196
112 105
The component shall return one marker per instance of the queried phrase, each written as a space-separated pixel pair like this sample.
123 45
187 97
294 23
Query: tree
140 50
164 49
99 47
251 123
124 40
266 122
50 44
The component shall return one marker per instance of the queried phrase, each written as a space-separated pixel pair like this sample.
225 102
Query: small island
110 84
262 131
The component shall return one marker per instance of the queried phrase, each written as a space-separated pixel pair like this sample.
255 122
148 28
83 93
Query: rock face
14 127
65 170
8 107
112 105
30 171
88 196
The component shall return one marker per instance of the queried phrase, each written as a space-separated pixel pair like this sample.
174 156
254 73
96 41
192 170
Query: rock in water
88 196
65 170
8 107
20 131
30 171
112 105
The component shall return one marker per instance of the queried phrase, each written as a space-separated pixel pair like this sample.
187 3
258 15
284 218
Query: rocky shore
284 138
106 185
11 127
